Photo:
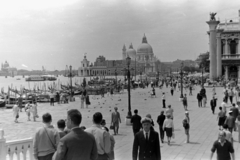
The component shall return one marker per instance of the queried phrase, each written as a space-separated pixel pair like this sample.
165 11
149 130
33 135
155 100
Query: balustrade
231 56
21 149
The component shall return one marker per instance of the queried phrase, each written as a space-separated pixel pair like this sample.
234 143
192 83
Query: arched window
233 47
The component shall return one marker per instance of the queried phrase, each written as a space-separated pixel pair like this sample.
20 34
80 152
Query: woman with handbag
168 127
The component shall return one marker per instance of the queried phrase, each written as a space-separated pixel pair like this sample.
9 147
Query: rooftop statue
212 16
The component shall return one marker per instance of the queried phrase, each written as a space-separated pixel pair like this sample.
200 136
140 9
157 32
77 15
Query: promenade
203 124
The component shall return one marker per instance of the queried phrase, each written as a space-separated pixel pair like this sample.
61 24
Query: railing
15 150
231 56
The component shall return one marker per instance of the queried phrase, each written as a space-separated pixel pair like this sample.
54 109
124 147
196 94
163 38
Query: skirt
168 132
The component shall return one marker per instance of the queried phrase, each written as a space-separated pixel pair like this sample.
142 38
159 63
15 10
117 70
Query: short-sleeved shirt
223 152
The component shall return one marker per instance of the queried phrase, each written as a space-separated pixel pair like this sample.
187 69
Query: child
61 125
16 112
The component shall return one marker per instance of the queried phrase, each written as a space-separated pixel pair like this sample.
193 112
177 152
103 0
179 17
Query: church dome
145 47
131 52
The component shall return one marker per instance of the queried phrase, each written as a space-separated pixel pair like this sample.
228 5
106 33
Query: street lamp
128 118
181 74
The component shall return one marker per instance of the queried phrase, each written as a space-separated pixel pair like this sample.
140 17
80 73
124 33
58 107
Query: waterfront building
224 48
6 70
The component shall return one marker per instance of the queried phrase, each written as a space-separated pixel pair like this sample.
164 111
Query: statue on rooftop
212 16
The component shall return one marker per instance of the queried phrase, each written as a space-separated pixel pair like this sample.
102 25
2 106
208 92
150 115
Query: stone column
219 53
238 72
212 48
226 72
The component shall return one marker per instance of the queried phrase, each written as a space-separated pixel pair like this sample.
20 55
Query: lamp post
70 76
128 118
181 74
202 73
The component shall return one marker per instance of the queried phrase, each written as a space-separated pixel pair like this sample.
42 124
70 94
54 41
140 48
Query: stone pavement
203 124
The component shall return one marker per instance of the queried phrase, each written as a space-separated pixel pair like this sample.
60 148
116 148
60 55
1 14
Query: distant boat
2 103
41 78
18 78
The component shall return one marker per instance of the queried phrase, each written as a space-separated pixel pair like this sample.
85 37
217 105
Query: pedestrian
163 100
115 120
172 90
230 121
136 122
199 98
168 127
45 140
20 100
87 100
16 112
235 113
153 94
152 123
28 110
61 126
82 100
146 143
231 94
34 111
221 118
226 95
160 121
186 125
58 98
213 104
223 147
185 104
77 144
101 136
111 155
238 127
224 106
204 100
169 110
228 133
52 98
190 90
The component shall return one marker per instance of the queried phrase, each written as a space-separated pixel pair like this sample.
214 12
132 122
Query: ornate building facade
224 47
6 70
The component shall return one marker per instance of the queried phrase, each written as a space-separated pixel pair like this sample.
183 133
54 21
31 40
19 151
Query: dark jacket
76 145
136 121
199 97
213 103
146 151
161 119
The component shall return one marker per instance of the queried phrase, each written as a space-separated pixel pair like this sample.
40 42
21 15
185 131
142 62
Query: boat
18 78
35 78
2 103
49 77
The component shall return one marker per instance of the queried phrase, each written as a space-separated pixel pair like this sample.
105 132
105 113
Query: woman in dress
34 111
168 127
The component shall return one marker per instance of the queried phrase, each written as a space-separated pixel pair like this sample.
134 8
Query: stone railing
231 56
15 150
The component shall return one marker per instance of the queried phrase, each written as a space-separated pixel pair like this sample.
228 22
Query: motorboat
35 78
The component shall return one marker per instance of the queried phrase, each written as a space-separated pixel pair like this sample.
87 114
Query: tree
203 61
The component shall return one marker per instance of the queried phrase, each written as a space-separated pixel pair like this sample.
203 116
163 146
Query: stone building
6 70
224 48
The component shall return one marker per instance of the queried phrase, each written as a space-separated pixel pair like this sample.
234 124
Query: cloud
23 65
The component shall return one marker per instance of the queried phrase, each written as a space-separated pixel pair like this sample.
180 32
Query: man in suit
136 122
213 104
160 121
146 143
77 144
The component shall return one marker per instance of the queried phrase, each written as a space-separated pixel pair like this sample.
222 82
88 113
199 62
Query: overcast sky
56 33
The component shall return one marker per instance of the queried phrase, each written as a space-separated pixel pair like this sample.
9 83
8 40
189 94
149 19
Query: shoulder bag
50 139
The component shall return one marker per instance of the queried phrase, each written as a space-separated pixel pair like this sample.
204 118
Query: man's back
235 112
115 116
161 119
136 121
76 145
230 121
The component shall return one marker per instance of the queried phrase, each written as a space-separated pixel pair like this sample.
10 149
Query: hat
146 120
149 116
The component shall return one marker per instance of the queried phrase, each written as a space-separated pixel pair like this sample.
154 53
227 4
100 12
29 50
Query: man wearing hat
146 143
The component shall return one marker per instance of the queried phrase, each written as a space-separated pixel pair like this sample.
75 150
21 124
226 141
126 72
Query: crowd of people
72 141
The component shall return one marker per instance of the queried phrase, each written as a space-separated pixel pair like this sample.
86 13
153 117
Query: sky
56 33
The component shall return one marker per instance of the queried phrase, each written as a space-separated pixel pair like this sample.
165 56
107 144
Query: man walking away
163 100
213 104
146 143
45 140
199 98
235 113
115 120
136 122
223 147
160 121
77 144
101 136
186 125
230 121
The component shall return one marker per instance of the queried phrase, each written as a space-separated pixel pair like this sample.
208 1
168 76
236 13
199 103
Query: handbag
50 139
111 127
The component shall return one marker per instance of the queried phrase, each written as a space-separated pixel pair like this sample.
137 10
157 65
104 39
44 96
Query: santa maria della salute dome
144 55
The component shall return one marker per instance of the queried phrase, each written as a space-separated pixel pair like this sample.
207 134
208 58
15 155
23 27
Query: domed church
144 55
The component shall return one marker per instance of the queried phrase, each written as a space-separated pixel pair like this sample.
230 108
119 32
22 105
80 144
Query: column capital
212 25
